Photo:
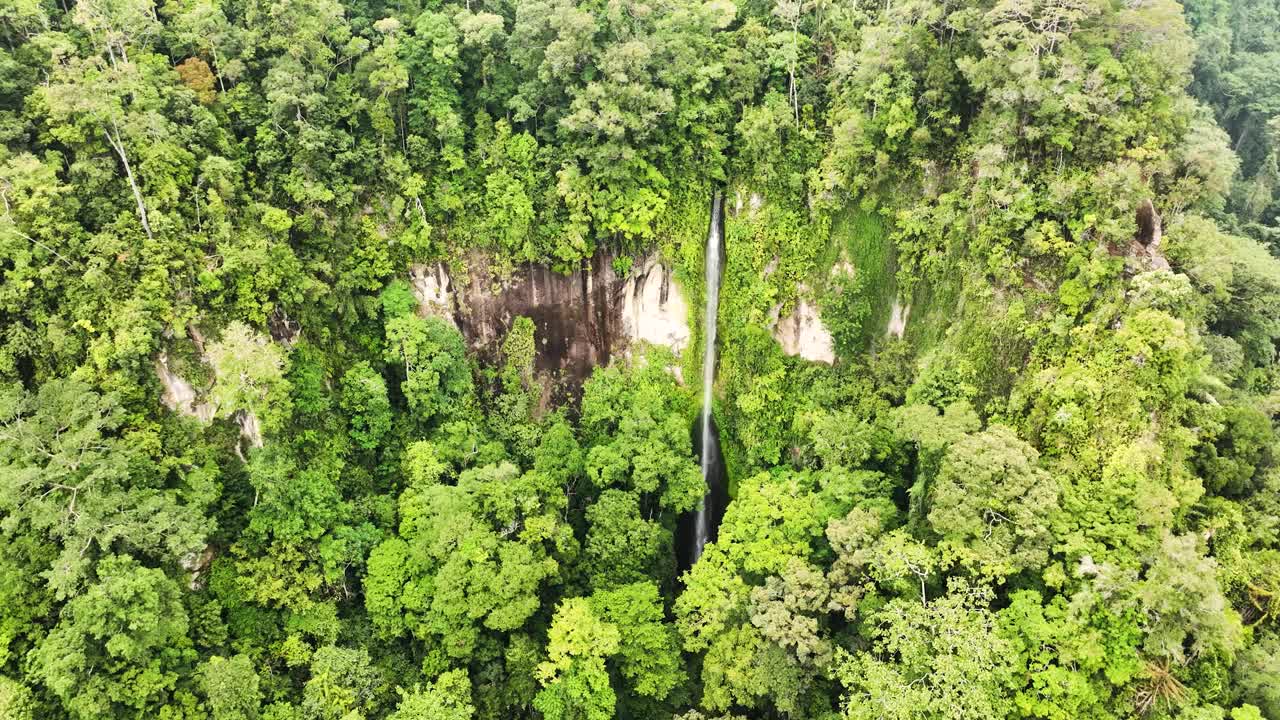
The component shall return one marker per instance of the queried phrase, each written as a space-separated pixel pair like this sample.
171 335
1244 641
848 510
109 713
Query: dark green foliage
430 356
364 398
232 686
1235 74
343 682
1235 459
71 478
247 472
118 647
637 425
622 547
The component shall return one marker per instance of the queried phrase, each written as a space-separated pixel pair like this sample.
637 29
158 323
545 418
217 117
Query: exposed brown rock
582 319
1145 252
1149 230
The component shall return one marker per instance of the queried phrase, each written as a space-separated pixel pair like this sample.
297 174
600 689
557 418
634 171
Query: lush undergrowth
242 477
861 240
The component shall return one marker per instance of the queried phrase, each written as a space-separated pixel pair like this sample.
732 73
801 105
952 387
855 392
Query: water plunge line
706 518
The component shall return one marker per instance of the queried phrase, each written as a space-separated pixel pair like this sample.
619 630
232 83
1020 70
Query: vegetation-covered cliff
305 310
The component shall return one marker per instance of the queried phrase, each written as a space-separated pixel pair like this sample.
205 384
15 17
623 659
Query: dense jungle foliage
1055 496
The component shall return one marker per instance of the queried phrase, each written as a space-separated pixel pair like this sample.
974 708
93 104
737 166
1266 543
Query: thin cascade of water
702 521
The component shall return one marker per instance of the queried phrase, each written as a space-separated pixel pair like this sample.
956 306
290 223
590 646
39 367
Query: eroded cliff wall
583 319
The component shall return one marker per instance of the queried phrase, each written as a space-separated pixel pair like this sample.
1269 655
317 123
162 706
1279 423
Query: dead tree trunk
117 143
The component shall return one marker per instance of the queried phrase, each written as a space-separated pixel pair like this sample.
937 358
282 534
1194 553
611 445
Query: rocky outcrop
250 428
1150 229
434 291
196 565
802 333
1144 252
574 315
751 201
582 319
653 308
284 329
179 396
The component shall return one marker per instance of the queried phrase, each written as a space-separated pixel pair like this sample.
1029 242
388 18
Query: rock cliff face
1145 251
179 396
653 308
575 316
434 290
802 333
582 319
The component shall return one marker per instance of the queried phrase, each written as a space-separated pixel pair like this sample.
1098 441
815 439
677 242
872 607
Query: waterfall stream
702 526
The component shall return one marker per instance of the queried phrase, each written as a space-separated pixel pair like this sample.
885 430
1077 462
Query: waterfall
898 315
715 239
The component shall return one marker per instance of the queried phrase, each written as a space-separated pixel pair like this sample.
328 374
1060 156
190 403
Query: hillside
356 359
